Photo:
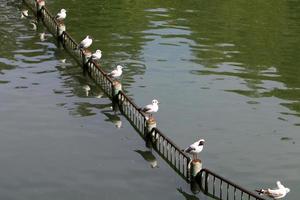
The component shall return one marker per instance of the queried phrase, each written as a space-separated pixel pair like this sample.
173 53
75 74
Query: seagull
276 193
85 43
87 89
116 72
24 14
97 55
151 108
195 148
61 15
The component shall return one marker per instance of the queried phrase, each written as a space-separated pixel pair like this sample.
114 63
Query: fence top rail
231 183
69 36
171 142
132 103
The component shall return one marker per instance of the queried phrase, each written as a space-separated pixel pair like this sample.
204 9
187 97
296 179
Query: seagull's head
63 10
98 51
154 101
287 190
119 67
201 142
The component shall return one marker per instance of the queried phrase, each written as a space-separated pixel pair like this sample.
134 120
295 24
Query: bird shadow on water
149 157
113 118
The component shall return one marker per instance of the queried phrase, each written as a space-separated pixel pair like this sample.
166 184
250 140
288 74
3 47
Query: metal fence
171 153
219 187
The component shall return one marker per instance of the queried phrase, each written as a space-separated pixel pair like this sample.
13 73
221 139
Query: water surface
224 71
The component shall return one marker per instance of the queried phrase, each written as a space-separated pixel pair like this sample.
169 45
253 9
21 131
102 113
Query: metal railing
171 153
132 113
219 187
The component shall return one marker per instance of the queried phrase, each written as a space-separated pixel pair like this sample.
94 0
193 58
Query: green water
226 71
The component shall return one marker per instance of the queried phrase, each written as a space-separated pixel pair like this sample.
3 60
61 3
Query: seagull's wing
147 108
274 193
189 149
112 73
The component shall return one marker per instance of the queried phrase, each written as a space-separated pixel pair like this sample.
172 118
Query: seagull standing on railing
276 193
24 14
97 55
61 15
85 43
151 108
195 148
116 72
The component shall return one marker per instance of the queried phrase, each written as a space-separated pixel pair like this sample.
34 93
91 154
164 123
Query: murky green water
225 71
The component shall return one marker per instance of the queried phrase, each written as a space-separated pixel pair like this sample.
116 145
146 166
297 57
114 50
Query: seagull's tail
260 191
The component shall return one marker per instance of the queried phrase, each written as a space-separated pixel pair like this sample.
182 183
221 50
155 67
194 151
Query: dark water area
224 71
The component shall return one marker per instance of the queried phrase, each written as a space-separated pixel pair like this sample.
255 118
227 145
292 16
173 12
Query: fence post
150 124
206 183
116 87
195 168
39 5
61 28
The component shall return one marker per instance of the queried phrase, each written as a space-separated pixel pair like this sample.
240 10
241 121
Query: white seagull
276 193
195 148
116 72
61 15
151 108
97 55
24 14
85 43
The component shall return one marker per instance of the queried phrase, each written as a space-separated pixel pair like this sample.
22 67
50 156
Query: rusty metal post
60 29
117 87
150 124
195 168
39 6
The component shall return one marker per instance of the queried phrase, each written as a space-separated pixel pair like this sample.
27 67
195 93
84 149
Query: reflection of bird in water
87 89
34 24
24 14
276 193
149 157
115 119
186 195
99 95
195 148
42 37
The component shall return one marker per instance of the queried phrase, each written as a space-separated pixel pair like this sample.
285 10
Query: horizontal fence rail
219 187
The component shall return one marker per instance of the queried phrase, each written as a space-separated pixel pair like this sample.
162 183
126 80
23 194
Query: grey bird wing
189 149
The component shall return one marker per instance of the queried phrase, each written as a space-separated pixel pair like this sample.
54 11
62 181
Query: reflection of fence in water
219 187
